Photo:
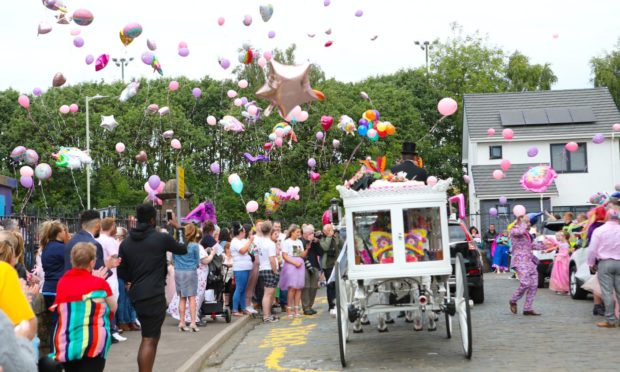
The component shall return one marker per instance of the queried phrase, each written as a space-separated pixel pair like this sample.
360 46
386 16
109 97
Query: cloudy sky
583 29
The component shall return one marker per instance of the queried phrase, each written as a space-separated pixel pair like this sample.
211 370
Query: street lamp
122 62
425 46
88 166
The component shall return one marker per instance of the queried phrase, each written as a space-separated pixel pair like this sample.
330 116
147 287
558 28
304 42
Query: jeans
49 301
331 289
241 282
283 297
609 279
125 313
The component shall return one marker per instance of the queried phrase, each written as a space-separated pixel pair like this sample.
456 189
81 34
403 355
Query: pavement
564 338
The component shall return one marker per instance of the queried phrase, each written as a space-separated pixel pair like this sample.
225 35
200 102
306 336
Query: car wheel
576 292
477 294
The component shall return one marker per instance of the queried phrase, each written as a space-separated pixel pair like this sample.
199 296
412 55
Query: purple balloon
244 101
359 13
326 2
224 63
147 58
533 151
271 34
89 59
598 138
493 212
319 136
311 163
37 91
154 181
183 52
503 200
26 181
196 92
215 168
363 122
78 41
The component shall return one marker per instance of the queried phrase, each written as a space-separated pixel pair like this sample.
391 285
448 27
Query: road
563 338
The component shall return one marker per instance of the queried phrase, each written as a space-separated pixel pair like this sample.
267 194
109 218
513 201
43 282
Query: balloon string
246 210
77 191
44 198
432 130
322 147
351 158
26 200
146 101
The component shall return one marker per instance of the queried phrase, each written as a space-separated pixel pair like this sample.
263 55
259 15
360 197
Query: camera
169 214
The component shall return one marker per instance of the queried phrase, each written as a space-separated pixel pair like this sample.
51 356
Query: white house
546 120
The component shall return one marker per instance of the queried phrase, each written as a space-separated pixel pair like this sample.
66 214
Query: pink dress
559 274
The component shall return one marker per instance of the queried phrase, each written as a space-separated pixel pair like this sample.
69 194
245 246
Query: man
90 222
488 239
143 266
604 257
331 245
409 164
313 268
277 227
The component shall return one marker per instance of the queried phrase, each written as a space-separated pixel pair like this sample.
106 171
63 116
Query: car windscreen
456 233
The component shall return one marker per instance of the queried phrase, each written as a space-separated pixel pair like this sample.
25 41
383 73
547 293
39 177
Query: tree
523 76
606 71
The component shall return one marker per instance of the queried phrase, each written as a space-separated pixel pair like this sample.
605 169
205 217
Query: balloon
211 120
267 146
251 206
231 94
126 40
538 179
287 86
44 28
242 83
616 127
168 134
328 31
369 115
329 43
532 151
151 44
224 63
37 92
271 34
571 146
246 56
83 17
518 210
220 21
498 174
391 129
183 52
108 123
505 164
232 178
252 110
173 85
120 147
18 153
78 42
311 163
196 92
347 125
153 108
141 157
26 181
215 167
274 136
279 132
267 54
75 32
508 134
362 130
335 144
279 142
130 90
64 109
262 62
247 20
466 179
359 13
303 116
24 101
132 30
154 181
238 102
598 138
89 59
43 171
182 44
326 122
431 181
102 62
59 80
319 136
237 186
460 200
447 106
26 171
314 176
503 200
175 144
72 158
490 132
231 123
326 2
493 212
266 11
372 133
164 111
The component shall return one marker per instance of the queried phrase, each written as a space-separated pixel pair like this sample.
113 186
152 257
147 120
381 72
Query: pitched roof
488 187
483 112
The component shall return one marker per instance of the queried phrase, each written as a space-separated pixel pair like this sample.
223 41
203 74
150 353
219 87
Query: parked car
461 241
545 260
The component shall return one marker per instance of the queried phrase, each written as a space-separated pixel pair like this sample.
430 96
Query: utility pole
88 166
425 46
122 62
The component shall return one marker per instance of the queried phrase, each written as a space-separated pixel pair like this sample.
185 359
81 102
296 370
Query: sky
583 29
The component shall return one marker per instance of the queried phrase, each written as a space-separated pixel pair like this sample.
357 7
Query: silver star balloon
287 86
108 122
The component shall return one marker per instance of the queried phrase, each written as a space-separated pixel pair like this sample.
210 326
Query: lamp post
425 46
88 166
122 62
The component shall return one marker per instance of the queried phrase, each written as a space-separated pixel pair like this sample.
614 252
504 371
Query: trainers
116 336
599 310
250 309
332 312
271 319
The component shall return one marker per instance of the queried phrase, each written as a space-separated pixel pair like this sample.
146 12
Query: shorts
151 313
270 279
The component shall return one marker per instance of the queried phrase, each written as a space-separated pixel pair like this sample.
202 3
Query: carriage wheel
341 308
227 315
462 305
447 314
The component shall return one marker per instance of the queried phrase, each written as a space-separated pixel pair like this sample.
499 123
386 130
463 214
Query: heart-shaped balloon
141 156
266 11
314 176
326 122
267 146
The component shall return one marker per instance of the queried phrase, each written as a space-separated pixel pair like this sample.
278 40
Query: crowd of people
89 287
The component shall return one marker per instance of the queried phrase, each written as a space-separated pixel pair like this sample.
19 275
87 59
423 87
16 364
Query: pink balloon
447 106
24 101
153 107
120 147
498 174
238 102
75 32
518 210
242 84
571 146
319 136
231 94
616 127
175 144
267 54
314 176
303 116
211 120
466 179
247 20
174 85
508 134
335 143
251 206
505 164
279 132
431 181
490 132
252 110
26 171
182 45
220 21
73 108
64 109
262 62
278 142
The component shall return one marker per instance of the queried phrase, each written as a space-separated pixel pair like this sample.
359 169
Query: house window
502 209
564 161
495 152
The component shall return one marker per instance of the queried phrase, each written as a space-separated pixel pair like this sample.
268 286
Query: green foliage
606 71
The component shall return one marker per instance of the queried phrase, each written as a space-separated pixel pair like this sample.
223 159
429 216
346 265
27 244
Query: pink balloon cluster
297 114
152 192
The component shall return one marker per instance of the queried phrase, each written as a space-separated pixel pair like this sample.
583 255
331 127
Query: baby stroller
213 304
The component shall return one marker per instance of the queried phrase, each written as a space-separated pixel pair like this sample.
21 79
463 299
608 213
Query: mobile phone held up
169 214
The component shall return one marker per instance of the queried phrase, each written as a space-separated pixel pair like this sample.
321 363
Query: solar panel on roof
582 114
535 116
558 115
511 117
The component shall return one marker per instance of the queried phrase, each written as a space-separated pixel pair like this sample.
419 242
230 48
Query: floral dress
203 273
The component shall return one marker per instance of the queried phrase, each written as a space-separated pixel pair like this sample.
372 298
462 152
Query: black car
461 241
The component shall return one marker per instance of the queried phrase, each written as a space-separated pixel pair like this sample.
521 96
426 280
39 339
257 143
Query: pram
213 304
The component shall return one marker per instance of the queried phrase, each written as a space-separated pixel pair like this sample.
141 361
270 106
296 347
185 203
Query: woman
85 304
525 264
224 236
253 277
292 277
186 277
501 253
52 239
280 295
242 265
228 274
126 318
268 270
475 235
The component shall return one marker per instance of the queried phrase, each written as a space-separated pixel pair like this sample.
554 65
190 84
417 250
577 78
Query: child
559 274
501 254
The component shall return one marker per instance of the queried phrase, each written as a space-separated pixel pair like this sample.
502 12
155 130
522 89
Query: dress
291 276
501 259
525 263
203 273
559 274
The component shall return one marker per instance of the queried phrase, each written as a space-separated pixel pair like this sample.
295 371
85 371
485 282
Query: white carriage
397 258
